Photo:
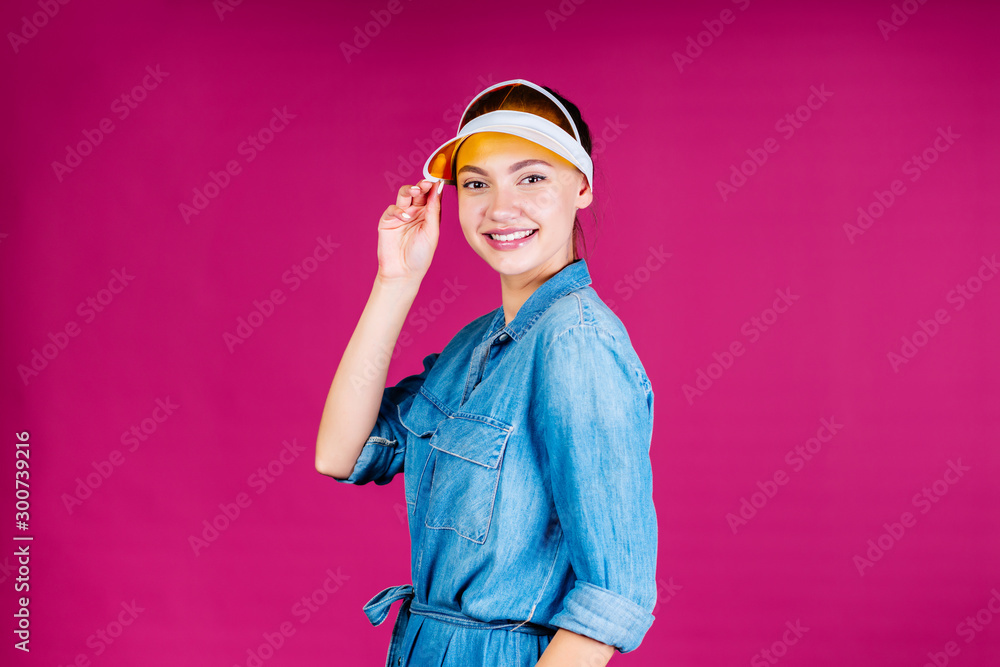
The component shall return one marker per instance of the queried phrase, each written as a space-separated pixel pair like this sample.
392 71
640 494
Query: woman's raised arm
408 236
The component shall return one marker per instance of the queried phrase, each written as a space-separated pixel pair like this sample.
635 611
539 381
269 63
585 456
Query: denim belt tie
377 609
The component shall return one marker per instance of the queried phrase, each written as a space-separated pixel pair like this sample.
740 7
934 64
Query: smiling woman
540 123
507 203
524 443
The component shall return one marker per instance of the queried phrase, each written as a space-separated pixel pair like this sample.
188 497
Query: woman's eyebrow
514 167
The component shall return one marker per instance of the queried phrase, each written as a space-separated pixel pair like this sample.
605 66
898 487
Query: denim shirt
525 455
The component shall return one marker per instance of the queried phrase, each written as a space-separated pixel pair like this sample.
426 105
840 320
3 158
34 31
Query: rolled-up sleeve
383 454
595 407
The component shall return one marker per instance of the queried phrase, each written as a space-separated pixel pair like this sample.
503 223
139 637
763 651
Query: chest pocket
464 468
420 417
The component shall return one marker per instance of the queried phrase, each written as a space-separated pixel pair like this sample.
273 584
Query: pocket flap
474 438
420 415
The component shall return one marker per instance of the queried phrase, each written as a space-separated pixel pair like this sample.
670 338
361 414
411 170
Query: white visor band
529 126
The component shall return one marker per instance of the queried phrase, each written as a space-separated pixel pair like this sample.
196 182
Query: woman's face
506 185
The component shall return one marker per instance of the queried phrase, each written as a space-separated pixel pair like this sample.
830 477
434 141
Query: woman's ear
584 196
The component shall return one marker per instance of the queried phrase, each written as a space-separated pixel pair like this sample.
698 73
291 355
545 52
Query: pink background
670 135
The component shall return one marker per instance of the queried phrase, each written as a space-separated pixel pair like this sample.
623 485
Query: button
503 336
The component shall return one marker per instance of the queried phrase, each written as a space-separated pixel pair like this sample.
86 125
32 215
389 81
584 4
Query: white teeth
511 237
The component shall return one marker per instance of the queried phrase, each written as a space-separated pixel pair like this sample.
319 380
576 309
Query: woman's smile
510 240
509 190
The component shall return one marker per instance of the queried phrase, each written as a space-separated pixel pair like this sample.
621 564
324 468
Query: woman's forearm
352 404
569 649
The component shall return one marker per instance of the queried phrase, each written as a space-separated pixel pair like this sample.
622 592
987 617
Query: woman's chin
509 263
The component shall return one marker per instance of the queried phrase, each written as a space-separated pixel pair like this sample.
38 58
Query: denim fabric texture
525 455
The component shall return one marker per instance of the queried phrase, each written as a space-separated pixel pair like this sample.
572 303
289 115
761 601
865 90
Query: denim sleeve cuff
372 462
603 615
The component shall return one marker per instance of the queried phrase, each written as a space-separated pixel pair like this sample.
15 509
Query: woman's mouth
510 241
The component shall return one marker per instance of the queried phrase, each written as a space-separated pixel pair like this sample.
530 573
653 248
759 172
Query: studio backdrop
796 218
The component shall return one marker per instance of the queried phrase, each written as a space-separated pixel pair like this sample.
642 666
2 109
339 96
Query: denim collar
571 277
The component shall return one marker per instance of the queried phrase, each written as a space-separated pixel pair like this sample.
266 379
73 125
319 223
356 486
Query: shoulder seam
594 326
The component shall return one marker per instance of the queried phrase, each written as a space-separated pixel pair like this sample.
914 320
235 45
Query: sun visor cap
537 129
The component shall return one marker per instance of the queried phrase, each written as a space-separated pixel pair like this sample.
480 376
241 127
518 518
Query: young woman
524 444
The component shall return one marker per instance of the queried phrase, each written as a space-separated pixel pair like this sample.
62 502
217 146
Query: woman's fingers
405 195
413 195
408 230
395 216
411 199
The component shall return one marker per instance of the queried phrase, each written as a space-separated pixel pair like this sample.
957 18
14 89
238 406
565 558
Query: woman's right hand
406 245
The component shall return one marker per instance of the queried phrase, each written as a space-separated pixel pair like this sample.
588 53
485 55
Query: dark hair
527 99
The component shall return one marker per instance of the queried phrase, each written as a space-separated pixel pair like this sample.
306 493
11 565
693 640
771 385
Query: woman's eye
529 180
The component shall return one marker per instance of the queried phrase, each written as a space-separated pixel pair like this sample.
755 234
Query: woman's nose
506 204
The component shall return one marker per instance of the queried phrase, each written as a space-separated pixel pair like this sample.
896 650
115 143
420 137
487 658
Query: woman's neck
515 290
